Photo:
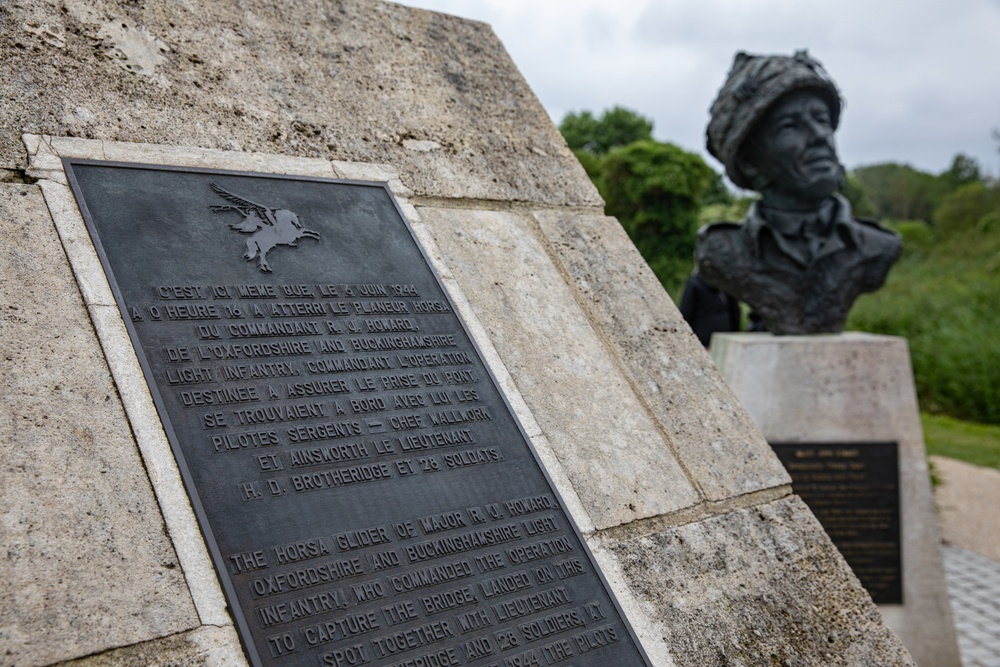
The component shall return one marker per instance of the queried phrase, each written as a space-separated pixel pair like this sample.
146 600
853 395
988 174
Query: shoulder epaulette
874 224
718 226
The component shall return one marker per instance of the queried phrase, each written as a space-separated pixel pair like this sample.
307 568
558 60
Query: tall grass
944 297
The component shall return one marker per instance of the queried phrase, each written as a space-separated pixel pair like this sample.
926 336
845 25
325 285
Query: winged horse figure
267 226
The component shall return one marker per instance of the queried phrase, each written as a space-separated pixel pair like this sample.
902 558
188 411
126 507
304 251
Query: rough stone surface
760 586
88 566
574 388
712 434
349 80
205 647
491 357
855 388
159 461
822 387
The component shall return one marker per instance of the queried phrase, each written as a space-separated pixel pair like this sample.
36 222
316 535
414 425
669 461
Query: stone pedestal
855 388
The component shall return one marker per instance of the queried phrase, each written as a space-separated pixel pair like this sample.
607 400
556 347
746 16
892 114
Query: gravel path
969 506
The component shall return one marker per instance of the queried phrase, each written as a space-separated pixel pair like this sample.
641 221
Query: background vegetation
943 296
655 189
978 444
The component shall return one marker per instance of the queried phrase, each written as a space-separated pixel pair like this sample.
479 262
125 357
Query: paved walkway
974 589
969 511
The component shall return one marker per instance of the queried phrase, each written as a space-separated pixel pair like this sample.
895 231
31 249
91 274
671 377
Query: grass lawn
978 444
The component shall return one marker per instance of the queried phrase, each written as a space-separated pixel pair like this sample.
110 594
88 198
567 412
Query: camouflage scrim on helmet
755 83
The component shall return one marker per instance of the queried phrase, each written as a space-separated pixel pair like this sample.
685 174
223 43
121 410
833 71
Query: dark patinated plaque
853 489
362 484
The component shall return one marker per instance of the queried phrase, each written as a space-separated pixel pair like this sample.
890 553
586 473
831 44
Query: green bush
655 191
597 135
898 190
856 193
989 222
963 209
918 236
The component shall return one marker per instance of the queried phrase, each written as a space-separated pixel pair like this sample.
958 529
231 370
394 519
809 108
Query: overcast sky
921 77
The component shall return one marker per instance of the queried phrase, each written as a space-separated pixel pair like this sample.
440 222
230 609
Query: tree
963 171
617 126
717 192
856 193
655 190
969 207
898 191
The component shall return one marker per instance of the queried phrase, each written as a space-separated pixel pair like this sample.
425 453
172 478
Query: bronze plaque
363 486
853 489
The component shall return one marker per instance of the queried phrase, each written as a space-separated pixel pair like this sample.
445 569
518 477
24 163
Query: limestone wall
680 498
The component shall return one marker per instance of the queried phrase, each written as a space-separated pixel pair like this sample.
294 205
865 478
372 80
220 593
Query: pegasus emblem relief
267 226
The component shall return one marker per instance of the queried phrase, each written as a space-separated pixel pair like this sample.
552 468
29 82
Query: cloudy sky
921 77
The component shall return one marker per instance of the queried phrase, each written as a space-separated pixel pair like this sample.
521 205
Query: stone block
759 586
207 646
709 431
45 153
159 462
88 565
353 81
576 391
855 388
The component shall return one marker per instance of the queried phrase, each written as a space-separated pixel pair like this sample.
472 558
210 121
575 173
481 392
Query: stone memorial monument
840 410
318 350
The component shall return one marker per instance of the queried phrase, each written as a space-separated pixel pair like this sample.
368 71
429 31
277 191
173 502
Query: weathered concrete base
855 388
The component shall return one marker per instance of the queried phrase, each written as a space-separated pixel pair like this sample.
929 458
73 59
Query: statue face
793 148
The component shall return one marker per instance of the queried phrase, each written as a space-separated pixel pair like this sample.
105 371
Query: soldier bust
800 258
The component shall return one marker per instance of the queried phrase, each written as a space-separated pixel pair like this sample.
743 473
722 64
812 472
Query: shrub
966 207
918 236
655 190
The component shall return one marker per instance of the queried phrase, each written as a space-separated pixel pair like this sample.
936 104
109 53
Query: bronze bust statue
800 258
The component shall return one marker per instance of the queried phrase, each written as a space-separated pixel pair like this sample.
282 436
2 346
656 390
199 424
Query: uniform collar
833 217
